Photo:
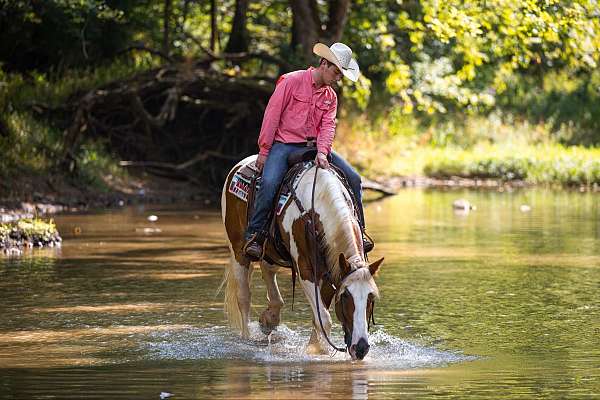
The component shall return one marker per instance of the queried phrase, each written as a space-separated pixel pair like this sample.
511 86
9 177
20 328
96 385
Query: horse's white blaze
360 292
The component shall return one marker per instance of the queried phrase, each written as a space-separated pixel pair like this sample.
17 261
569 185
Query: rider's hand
260 161
321 160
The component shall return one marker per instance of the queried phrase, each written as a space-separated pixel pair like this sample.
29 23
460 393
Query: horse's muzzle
360 349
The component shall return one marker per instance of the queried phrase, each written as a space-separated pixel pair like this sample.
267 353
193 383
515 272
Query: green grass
477 147
535 164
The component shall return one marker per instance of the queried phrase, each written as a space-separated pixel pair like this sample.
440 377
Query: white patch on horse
291 214
309 291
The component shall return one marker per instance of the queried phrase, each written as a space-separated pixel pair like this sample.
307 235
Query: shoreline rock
28 233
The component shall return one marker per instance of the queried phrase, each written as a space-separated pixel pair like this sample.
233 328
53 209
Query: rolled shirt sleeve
272 116
327 132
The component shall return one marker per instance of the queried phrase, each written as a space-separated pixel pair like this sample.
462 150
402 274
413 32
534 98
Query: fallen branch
377 187
179 167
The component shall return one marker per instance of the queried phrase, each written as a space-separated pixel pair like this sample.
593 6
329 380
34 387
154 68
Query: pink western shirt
298 110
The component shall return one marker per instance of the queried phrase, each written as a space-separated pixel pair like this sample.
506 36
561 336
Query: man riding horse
302 111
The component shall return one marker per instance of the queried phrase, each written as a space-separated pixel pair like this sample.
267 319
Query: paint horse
344 276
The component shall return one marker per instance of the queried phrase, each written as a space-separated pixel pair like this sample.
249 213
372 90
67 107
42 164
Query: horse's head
354 302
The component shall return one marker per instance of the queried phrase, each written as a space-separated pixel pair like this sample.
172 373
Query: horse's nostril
362 348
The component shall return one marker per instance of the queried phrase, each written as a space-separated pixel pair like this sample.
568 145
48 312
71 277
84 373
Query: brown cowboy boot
368 243
253 249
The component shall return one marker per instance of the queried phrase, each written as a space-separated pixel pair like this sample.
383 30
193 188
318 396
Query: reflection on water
499 302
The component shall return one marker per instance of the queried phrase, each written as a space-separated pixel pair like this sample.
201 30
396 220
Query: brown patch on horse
327 293
305 267
344 309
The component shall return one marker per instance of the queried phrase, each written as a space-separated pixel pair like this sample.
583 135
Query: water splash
287 345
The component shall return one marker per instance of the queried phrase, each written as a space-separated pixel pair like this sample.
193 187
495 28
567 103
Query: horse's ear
373 268
344 266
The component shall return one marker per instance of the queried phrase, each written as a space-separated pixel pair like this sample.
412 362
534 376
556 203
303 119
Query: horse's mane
332 203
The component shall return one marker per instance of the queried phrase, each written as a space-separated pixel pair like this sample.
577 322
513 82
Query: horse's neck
342 232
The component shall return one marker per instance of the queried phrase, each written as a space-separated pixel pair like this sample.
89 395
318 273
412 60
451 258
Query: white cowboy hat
341 56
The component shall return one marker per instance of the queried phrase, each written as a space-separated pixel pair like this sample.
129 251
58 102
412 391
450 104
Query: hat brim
352 72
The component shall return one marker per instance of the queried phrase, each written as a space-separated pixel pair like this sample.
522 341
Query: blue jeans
272 175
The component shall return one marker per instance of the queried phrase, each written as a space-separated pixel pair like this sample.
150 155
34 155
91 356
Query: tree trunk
238 39
214 32
166 45
308 28
306 25
336 21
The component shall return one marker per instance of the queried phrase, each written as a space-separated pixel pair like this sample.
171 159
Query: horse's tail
231 304
232 278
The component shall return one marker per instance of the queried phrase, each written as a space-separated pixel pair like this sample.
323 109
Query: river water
500 302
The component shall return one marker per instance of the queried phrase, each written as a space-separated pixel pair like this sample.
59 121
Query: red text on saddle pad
239 187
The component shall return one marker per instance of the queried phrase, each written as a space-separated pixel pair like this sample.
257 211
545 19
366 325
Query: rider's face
331 74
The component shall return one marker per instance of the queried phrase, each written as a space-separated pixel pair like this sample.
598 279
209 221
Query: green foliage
19 92
36 228
494 147
58 34
470 57
32 144
569 103
95 165
34 231
448 76
29 144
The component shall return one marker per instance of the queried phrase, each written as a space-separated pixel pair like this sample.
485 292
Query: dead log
368 184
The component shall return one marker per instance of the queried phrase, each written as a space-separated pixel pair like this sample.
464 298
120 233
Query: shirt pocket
299 108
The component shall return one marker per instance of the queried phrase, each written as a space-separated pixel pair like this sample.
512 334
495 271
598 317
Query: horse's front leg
269 318
317 343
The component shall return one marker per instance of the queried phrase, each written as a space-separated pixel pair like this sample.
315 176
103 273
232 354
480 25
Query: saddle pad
240 183
240 186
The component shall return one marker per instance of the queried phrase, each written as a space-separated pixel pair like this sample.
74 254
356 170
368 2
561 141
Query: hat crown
340 55
342 52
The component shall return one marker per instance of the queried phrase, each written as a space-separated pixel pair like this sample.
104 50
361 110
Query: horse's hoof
268 321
